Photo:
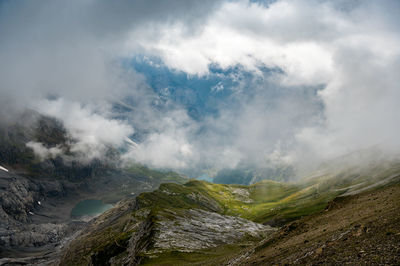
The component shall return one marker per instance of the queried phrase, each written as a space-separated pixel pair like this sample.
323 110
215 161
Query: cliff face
18 197
29 220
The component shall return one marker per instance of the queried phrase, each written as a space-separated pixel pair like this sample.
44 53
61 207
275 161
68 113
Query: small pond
90 207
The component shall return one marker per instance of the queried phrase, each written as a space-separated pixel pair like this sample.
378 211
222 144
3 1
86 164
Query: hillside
202 223
358 229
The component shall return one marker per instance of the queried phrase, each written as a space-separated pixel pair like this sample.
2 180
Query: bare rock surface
199 229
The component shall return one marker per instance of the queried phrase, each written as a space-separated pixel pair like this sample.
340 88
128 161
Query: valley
59 211
199 133
201 223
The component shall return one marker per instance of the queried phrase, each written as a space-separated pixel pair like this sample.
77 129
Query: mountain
253 174
201 223
348 202
37 194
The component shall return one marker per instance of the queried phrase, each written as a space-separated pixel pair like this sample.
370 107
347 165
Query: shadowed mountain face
16 152
38 193
201 223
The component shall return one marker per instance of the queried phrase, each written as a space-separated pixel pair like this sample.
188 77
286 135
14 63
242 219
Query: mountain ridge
184 208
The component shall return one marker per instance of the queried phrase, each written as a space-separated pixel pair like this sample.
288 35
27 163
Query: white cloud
73 51
350 49
42 151
88 126
252 35
353 49
168 145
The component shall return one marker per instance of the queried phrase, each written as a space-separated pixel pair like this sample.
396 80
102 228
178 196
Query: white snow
31 213
2 168
39 203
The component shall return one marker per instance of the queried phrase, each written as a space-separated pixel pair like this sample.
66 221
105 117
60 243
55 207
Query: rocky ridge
201 223
151 227
198 229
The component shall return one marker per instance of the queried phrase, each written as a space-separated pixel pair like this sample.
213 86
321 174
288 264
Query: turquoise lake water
89 207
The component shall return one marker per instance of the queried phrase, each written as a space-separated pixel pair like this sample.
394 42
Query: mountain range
163 218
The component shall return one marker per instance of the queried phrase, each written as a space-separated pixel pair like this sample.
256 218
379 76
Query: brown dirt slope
356 230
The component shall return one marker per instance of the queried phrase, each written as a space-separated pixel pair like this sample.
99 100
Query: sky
207 85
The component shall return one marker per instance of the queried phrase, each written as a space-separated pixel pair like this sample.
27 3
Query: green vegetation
260 202
107 238
141 171
264 202
249 175
271 201
213 256
139 178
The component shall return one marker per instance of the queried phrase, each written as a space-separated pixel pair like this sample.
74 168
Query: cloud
88 125
76 55
66 59
321 76
360 102
42 151
350 50
287 35
168 145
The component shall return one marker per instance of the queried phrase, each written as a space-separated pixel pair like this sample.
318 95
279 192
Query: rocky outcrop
198 229
33 235
171 219
18 197
23 226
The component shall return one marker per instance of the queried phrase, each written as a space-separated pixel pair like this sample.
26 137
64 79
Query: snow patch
2 168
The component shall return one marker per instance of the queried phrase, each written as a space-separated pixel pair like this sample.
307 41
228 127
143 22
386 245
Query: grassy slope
141 178
143 171
361 229
262 202
212 256
266 201
104 236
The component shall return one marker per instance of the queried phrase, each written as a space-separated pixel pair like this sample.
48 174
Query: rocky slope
38 194
30 219
174 218
361 229
201 223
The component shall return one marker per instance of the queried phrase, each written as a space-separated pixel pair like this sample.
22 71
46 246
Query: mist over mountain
217 132
244 83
